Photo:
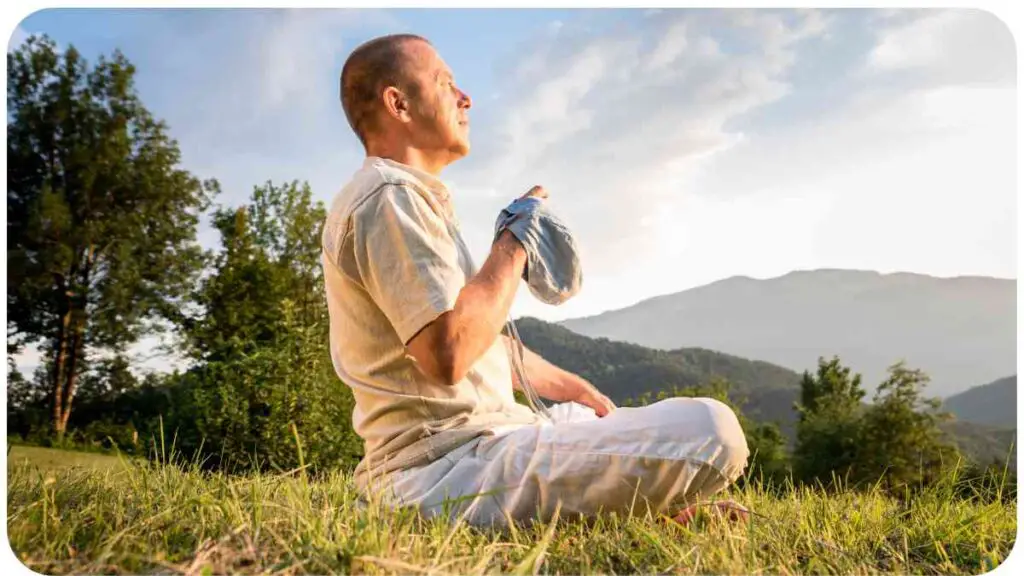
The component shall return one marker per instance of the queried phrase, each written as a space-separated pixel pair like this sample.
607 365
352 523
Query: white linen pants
671 453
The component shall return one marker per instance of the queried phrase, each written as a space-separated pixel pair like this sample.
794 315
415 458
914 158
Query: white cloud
945 203
669 47
984 47
643 140
615 125
296 52
253 89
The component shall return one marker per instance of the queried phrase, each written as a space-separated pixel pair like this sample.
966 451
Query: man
416 332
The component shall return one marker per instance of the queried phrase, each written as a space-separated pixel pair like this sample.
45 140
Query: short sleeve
407 259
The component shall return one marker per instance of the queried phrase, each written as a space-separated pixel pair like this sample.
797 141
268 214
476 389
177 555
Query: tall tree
101 220
901 428
270 253
263 378
830 427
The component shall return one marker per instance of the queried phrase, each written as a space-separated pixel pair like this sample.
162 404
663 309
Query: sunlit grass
137 517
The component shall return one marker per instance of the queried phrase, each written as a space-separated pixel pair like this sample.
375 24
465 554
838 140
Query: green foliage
107 378
270 253
101 221
833 392
263 392
829 430
896 440
124 411
901 428
625 371
770 462
239 413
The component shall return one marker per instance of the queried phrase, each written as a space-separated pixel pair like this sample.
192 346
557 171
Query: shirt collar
433 183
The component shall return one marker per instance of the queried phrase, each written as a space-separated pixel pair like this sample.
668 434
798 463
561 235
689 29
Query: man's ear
396 104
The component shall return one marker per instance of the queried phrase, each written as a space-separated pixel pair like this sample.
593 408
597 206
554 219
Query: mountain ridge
958 329
796 272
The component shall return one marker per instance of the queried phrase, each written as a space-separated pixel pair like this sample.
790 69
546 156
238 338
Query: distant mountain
993 404
958 330
766 392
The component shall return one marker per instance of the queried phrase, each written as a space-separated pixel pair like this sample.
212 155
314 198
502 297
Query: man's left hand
559 385
586 394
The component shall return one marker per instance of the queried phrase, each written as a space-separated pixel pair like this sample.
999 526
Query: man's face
440 110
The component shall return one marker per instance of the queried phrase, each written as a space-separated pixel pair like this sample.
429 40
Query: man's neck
409 156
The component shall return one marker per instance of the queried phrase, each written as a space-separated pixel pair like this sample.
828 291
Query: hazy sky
681 146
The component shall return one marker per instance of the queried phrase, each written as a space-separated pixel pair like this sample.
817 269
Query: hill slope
624 370
985 444
766 392
993 404
958 330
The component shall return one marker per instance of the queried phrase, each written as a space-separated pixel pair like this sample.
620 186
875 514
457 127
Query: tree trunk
72 376
58 377
78 341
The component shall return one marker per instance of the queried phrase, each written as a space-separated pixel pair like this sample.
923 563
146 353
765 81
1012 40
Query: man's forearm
560 385
550 381
462 335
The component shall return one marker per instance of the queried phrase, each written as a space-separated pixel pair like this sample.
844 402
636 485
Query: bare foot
726 509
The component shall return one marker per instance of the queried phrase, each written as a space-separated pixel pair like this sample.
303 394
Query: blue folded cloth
553 270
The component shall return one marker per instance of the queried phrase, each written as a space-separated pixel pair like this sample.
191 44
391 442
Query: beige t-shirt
394 260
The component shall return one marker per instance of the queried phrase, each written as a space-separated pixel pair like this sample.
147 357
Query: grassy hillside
148 519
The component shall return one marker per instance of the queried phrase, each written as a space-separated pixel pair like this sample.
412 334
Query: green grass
134 517
54 459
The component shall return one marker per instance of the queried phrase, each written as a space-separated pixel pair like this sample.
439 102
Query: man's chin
460 149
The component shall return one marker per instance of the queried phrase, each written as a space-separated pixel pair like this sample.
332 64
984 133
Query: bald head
372 67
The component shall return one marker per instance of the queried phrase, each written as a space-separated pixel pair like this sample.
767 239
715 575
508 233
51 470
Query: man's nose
464 100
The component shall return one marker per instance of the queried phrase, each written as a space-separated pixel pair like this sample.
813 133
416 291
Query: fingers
601 404
535 192
606 404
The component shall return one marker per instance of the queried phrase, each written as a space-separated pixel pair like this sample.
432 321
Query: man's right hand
535 192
